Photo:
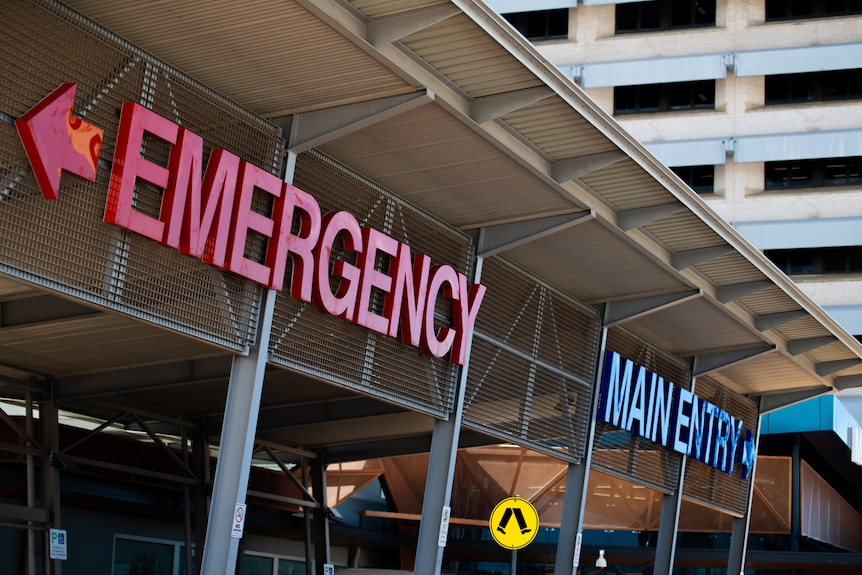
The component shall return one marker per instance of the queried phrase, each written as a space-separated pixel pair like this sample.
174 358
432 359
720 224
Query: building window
833 260
541 24
777 10
265 564
664 97
664 15
814 87
818 173
701 179
136 555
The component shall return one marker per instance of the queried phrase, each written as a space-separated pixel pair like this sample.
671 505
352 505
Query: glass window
137 557
664 97
701 179
257 565
664 15
818 173
541 24
831 260
814 87
801 9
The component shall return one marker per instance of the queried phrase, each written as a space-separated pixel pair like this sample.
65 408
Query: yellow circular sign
514 523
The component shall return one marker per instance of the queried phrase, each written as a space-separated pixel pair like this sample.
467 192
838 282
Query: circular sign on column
514 523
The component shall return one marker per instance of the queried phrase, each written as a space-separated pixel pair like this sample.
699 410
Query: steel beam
773 320
496 105
800 346
390 29
571 168
776 401
729 293
829 367
690 258
706 363
619 312
638 217
497 239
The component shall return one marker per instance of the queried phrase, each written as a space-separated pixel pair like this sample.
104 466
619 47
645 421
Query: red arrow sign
55 140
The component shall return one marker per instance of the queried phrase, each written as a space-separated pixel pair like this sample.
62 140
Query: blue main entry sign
645 404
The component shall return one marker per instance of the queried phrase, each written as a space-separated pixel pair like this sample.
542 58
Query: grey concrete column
235 447
739 531
441 473
577 480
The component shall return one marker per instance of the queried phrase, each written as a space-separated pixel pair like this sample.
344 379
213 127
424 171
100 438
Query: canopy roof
446 106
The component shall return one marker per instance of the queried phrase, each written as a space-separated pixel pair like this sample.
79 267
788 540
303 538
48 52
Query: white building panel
654 71
815 233
799 146
689 152
509 6
797 60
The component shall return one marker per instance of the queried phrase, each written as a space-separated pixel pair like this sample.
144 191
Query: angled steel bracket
773 320
490 107
847 382
389 29
730 293
311 129
571 168
709 362
830 367
775 401
618 312
637 217
688 258
496 239
799 346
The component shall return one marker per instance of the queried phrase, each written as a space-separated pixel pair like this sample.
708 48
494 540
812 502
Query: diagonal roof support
618 312
775 401
637 217
392 28
847 382
773 320
688 258
311 129
491 107
830 367
729 293
571 168
496 239
709 362
800 346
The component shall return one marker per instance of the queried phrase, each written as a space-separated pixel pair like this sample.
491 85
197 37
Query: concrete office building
254 243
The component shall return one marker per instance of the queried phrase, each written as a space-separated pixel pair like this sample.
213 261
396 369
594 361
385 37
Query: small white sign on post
57 544
238 521
444 526
328 569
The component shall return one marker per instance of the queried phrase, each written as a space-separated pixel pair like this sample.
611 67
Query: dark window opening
701 179
832 260
664 15
826 172
541 24
777 10
814 87
664 97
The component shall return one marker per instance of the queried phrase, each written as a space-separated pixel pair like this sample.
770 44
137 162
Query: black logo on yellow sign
514 523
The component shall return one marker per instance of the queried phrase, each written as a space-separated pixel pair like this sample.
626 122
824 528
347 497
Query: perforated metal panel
310 341
63 245
616 451
532 366
705 484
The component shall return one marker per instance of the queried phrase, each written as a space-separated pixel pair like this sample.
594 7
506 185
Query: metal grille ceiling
615 178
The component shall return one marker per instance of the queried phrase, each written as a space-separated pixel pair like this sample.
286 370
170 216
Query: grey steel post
235 447
577 478
50 421
321 515
665 549
739 531
441 473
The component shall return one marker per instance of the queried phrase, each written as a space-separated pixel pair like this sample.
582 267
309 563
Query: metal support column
31 486
50 421
665 549
201 463
236 446
739 531
577 478
433 528
321 515
795 493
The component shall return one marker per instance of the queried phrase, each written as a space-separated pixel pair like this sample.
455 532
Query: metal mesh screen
617 452
705 484
305 339
64 245
532 365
